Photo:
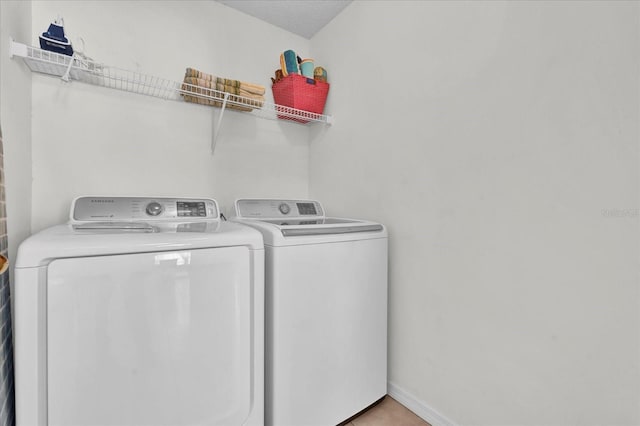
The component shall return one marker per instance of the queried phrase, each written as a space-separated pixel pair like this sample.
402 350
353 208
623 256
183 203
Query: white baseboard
421 409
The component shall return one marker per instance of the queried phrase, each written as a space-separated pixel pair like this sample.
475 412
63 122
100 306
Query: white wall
499 142
15 117
90 140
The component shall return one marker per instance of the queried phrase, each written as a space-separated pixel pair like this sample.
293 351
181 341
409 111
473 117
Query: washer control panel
264 208
140 208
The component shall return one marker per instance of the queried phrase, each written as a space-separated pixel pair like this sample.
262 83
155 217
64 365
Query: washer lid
323 226
277 233
297 222
309 222
301 232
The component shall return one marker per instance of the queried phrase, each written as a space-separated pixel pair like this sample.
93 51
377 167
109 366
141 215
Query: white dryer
325 311
140 311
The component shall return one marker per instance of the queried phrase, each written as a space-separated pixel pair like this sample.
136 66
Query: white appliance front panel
150 339
326 331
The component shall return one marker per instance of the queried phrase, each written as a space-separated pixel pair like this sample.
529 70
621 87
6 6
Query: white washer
140 311
325 311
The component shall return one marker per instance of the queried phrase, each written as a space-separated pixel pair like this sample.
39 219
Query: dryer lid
121 225
114 227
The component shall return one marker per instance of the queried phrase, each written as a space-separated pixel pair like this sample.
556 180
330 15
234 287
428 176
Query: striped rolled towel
255 89
210 90
205 91
192 72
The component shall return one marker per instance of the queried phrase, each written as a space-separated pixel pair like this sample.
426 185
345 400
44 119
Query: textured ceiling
302 17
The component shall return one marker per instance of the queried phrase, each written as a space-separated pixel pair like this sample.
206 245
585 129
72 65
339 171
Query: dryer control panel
271 209
106 209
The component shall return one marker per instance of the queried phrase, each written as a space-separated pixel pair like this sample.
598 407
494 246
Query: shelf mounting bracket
65 77
216 127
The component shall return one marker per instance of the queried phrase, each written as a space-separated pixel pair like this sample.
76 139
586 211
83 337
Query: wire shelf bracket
77 68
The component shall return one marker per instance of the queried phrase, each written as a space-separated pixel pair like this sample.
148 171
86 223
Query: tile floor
388 412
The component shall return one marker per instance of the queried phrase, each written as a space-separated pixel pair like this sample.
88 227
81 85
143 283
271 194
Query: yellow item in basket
320 74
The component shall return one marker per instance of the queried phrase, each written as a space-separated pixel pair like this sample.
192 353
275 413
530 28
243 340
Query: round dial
154 208
284 208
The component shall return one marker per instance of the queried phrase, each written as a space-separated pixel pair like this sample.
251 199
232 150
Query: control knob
154 208
284 208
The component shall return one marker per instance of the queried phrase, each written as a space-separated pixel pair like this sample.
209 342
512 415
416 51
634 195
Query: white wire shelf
76 68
